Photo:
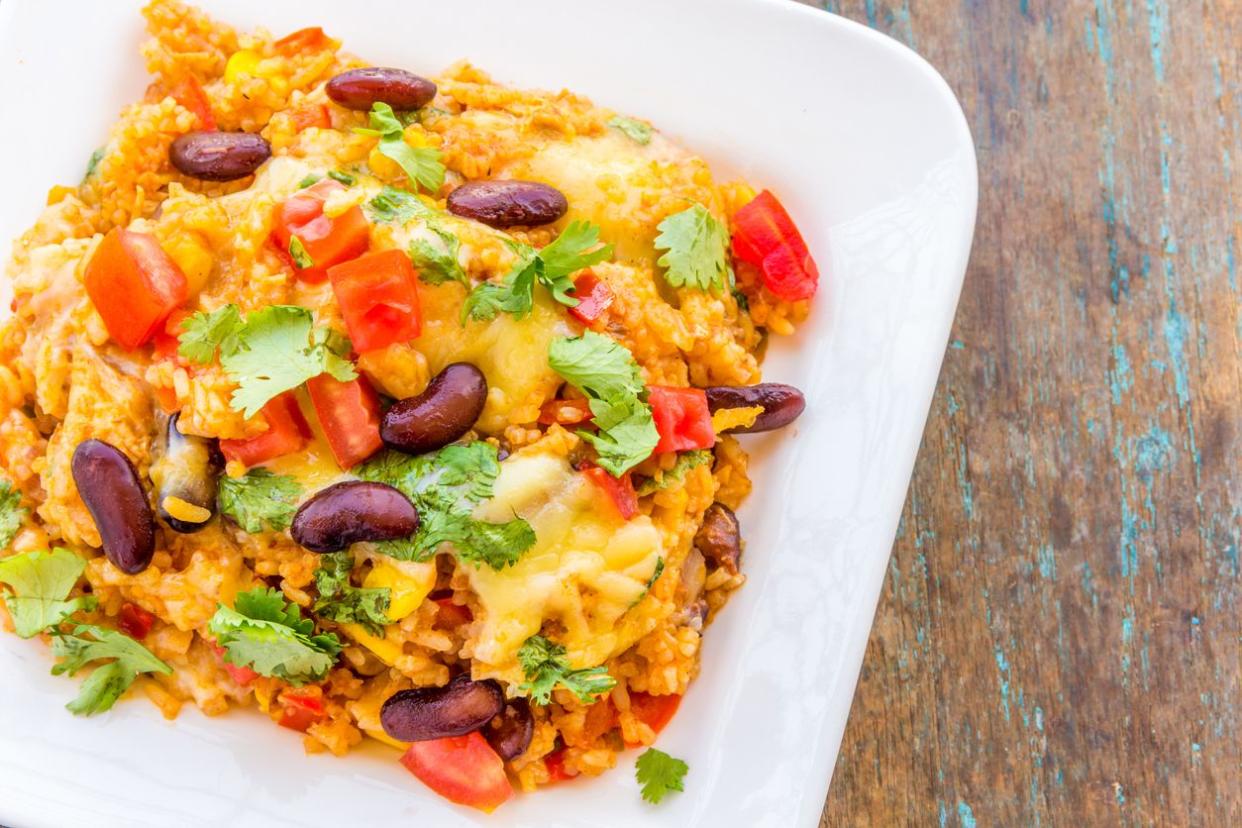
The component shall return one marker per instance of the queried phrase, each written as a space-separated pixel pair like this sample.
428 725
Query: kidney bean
720 538
446 410
112 492
361 88
186 468
781 404
505 203
219 156
353 511
510 732
456 709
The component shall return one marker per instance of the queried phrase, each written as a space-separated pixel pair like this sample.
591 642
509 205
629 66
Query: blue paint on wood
1002 666
1175 327
1047 558
1157 25
1120 378
965 816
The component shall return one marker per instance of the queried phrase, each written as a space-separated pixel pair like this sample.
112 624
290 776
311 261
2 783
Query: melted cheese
586 570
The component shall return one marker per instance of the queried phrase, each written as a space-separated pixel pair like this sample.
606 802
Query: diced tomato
167 398
240 675
462 769
378 296
134 621
682 418
653 711
287 432
311 116
555 763
328 241
450 614
620 490
349 413
766 236
189 93
565 412
301 708
593 297
134 285
168 339
311 39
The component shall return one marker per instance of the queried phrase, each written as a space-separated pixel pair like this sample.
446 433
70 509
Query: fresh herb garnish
344 178
685 462
263 632
341 601
659 774
637 131
545 666
309 180
258 499
421 164
41 583
393 206
437 263
107 682
202 334
607 374
552 266
93 163
12 513
297 251
697 246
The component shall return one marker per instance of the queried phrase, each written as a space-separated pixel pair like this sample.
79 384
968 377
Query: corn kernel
727 418
190 252
240 63
407 590
185 511
384 650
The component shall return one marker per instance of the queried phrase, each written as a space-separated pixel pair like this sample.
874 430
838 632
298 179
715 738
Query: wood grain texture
1058 641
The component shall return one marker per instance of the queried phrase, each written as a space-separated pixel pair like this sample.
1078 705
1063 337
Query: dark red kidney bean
425 713
720 538
350 512
504 203
187 467
510 732
446 410
781 404
361 88
219 156
112 492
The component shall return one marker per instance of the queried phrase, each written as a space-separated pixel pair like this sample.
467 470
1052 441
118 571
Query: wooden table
1058 640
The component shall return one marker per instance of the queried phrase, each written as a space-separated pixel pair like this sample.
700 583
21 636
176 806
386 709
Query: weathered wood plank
1058 639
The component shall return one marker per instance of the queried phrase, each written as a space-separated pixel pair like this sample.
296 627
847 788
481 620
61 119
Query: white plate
867 147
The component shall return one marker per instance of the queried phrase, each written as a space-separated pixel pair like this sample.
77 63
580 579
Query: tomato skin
594 297
311 116
350 415
765 236
240 675
620 490
189 93
682 417
654 711
310 39
286 433
134 285
134 621
301 708
555 763
452 615
462 769
328 241
565 412
167 340
378 296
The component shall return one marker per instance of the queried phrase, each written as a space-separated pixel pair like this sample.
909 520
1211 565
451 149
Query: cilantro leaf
341 601
545 665
637 131
393 206
437 264
259 498
344 178
659 773
272 638
310 179
12 512
697 246
274 351
445 486
203 332
607 373
106 684
420 164
552 266
93 164
297 251
685 462
41 583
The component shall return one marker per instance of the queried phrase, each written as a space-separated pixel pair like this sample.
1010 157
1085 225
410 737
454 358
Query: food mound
389 406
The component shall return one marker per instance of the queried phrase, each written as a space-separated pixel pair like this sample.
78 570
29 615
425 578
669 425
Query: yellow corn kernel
381 736
240 63
384 650
58 194
407 589
184 510
727 418
383 166
190 252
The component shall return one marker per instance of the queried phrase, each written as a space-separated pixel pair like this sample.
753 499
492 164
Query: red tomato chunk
378 296
682 418
134 286
462 769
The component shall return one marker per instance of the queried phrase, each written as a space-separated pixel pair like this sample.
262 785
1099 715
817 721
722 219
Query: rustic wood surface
1058 640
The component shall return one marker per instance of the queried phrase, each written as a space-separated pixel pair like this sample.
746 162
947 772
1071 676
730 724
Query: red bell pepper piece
764 235
654 711
134 285
328 241
287 432
349 413
301 708
682 418
451 615
378 296
310 39
620 490
593 295
555 763
462 769
189 93
134 621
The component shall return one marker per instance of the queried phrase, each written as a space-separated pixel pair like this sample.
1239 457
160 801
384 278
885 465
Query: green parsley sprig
637 131
107 682
263 632
341 601
12 513
698 248
546 666
659 774
421 164
259 499
393 206
685 461
41 583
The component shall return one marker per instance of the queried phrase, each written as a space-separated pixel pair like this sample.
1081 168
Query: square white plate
868 149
